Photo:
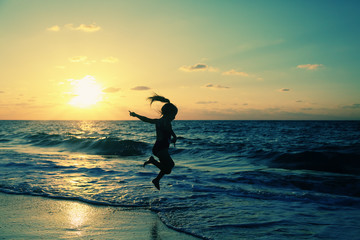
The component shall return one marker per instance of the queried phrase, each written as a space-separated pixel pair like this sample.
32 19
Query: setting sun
86 92
238 60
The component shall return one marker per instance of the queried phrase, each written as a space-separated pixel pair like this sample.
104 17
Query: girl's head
168 110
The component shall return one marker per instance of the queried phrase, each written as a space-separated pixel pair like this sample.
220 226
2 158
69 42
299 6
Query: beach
231 180
33 217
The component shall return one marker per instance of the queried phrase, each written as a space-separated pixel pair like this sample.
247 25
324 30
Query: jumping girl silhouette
163 137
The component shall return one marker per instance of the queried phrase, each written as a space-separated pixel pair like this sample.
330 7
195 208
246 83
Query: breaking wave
90 145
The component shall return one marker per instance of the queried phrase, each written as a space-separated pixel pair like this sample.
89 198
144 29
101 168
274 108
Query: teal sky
213 59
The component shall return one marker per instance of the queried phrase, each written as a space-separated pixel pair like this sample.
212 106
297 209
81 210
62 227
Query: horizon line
109 120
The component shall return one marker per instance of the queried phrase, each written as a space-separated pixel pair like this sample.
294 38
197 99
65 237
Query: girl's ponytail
168 109
158 98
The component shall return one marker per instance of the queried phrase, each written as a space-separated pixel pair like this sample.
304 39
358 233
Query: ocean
232 179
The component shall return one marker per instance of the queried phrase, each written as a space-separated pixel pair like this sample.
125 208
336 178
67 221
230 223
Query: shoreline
36 217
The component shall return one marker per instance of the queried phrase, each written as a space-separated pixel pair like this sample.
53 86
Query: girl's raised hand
132 114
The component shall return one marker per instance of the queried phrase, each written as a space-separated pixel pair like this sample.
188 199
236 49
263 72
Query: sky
215 60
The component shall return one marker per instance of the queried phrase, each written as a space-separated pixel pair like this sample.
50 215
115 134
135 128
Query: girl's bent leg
156 181
151 160
166 163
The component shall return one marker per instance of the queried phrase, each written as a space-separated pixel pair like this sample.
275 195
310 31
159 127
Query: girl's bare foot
151 160
156 183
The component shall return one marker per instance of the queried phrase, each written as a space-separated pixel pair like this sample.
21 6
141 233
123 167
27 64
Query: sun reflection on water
78 216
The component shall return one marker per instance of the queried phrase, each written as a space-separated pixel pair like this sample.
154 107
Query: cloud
236 73
110 60
83 27
89 28
54 28
233 72
140 88
85 60
215 86
284 90
310 66
78 59
2 92
353 106
196 67
111 90
206 102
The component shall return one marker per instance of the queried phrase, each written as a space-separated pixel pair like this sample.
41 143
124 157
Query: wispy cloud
54 28
233 72
206 102
236 73
110 60
2 92
309 66
198 67
85 60
215 86
353 106
82 27
140 88
78 59
111 90
81 59
284 90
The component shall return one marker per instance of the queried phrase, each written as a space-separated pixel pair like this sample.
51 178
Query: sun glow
87 92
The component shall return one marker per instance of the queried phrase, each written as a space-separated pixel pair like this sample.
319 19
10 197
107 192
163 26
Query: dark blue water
232 179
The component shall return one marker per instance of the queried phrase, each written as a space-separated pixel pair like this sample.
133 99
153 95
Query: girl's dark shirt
163 136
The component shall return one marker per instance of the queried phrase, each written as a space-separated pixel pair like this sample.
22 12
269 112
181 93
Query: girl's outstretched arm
142 118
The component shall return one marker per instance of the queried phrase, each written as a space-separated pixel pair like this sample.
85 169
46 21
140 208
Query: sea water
232 179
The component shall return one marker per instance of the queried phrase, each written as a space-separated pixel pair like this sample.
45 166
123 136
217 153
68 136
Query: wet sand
31 217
